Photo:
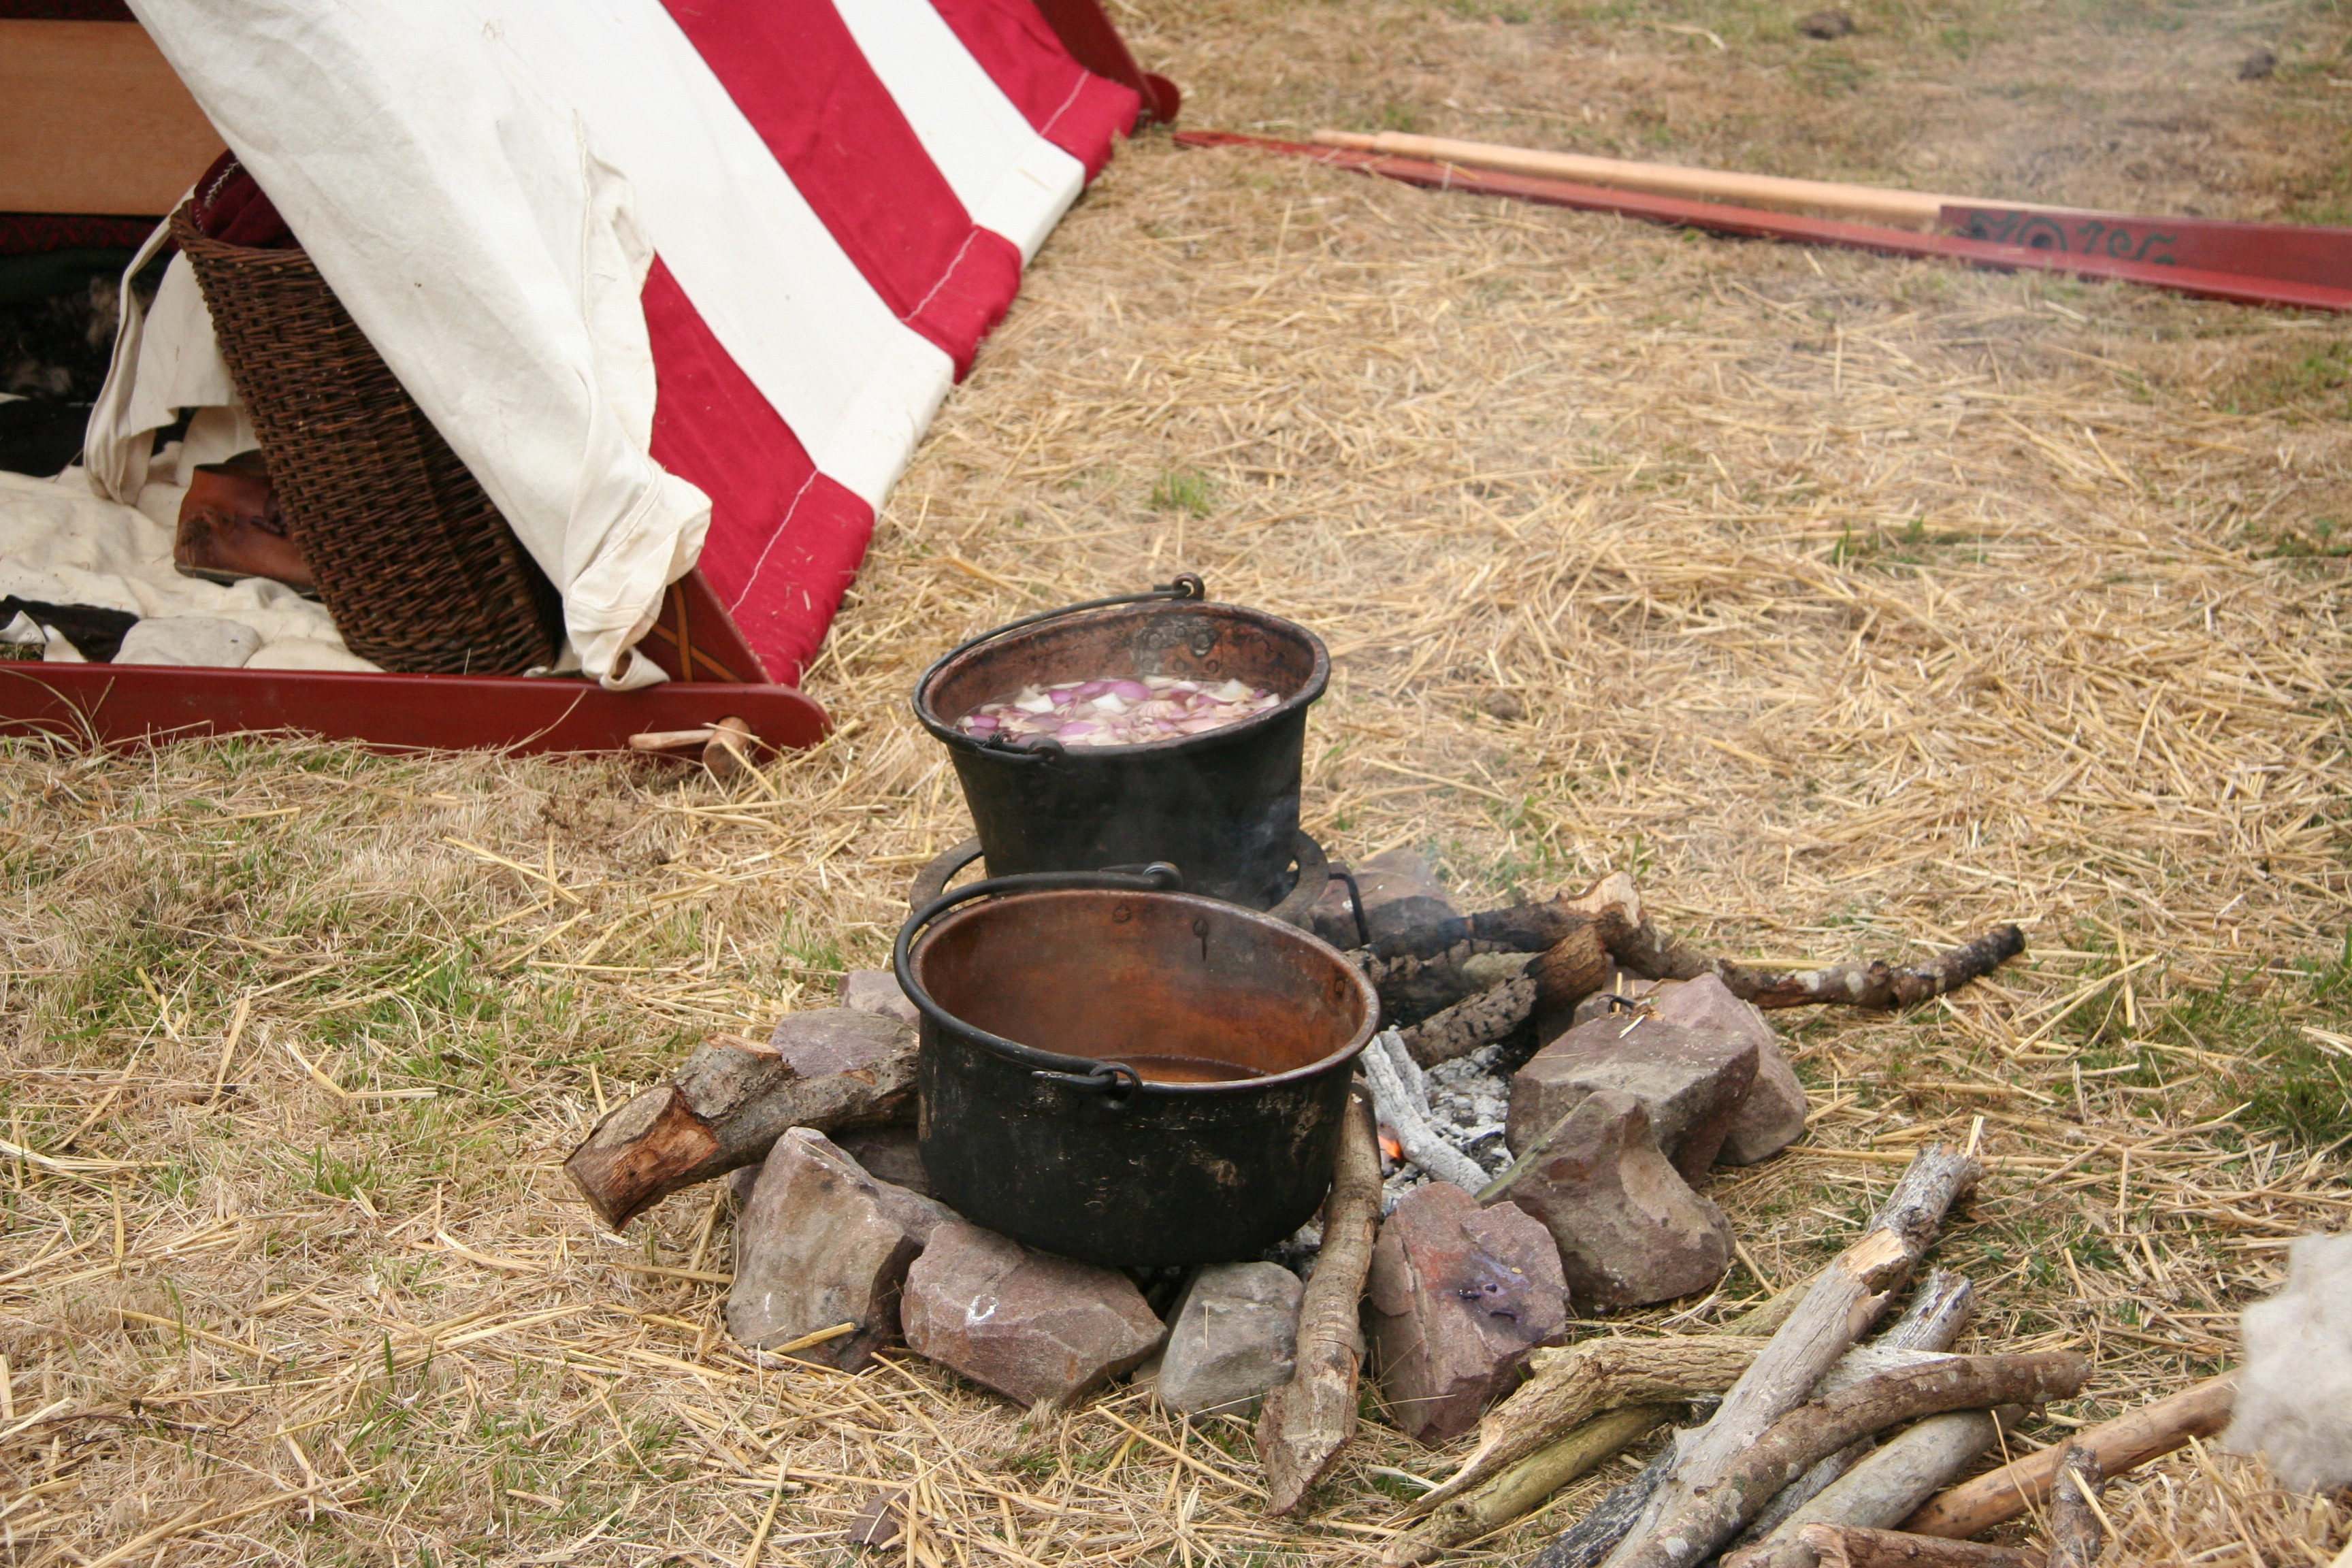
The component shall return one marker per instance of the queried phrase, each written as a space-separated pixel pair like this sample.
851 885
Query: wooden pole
1869 204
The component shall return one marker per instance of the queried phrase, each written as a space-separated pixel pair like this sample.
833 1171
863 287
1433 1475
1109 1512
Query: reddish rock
1034 1327
822 1242
1399 893
1460 1296
1614 982
1772 1114
1629 1230
876 991
892 1155
1691 1080
825 1042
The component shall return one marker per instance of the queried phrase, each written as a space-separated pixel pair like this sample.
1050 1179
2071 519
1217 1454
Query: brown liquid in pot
1184 1069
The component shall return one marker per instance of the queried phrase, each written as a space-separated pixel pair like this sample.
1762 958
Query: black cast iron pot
1125 1073
1224 805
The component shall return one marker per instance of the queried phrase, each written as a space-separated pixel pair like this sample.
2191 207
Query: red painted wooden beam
1754 223
125 704
2300 253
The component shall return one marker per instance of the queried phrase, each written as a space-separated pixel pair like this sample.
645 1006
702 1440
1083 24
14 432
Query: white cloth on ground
61 544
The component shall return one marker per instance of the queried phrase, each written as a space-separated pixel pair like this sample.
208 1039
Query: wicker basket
420 572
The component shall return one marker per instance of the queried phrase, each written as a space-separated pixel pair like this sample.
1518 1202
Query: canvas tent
682 281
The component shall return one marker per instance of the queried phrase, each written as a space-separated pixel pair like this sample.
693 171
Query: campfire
1095 1126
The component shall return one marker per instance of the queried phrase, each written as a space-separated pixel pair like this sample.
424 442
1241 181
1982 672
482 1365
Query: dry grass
1854 604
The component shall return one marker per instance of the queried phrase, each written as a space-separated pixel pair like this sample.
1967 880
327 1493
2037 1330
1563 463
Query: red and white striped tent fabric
681 280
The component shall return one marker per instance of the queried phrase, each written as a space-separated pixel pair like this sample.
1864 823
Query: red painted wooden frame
1754 223
713 672
1087 32
713 676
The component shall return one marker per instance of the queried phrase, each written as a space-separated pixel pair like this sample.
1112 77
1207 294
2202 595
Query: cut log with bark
2128 1441
830 1070
1692 1527
1526 1486
1649 951
1846 1546
1845 1299
1932 1321
2077 1534
1571 1386
1309 1419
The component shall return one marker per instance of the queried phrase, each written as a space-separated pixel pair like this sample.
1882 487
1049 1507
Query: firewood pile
1529 1135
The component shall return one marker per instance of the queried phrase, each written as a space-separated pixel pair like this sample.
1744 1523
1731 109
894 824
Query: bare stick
1692 1527
1648 951
2152 1430
1931 1322
1527 1485
1604 1524
1571 1386
1845 1299
1881 1488
829 1069
1309 1420
1845 1546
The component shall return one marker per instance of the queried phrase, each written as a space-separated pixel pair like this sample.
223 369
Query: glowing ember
1116 712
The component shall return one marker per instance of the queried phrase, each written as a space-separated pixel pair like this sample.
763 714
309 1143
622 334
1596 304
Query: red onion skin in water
1115 711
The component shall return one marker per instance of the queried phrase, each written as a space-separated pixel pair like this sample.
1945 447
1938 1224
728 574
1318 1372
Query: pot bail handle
1115 1082
1186 585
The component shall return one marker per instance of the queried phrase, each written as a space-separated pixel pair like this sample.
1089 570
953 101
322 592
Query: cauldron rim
971 1034
1310 690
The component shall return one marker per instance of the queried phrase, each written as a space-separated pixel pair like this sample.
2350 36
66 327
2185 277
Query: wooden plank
93 120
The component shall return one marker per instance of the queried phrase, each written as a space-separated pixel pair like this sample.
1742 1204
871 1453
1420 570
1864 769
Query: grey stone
820 1243
1691 1080
1772 1114
1399 893
876 991
205 641
1460 1296
1235 1335
1035 1328
1629 1228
